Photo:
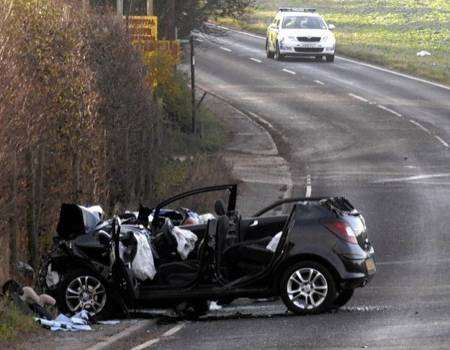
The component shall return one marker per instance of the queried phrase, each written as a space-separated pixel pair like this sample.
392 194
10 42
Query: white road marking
420 126
308 186
255 60
289 71
414 261
441 141
168 333
225 49
407 76
359 97
146 345
384 108
395 73
174 330
319 82
106 344
237 31
413 178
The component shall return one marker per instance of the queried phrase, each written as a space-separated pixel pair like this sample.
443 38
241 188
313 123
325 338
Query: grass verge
388 33
13 323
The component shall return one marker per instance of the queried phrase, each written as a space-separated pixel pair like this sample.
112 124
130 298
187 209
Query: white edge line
289 71
419 126
255 60
174 330
308 186
146 344
319 82
125 333
384 108
403 75
225 49
441 141
359 97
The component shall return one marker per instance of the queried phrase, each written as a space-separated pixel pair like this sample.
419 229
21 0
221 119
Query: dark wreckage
313 257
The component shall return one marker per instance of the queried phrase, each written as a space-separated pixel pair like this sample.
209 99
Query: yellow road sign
143 27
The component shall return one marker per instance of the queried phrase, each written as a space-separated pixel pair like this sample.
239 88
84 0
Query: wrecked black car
313 257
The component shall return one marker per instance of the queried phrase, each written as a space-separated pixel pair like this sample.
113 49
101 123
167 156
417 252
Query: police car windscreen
303 22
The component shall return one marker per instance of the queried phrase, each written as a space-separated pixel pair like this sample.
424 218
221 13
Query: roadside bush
85 117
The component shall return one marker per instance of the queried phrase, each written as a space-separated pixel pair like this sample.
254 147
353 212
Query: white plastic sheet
143 265
185 241
273 244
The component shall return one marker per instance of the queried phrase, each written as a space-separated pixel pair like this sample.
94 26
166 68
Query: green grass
13 323
385 32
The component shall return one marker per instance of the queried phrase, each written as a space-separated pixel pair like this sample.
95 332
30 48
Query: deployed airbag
185 241
143 265
273 244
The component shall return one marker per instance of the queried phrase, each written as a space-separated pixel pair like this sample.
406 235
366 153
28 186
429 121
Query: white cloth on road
78 322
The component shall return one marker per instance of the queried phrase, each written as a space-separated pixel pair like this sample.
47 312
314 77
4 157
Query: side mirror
331 27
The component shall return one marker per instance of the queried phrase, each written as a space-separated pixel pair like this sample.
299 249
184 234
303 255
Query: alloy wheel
307 288
85 293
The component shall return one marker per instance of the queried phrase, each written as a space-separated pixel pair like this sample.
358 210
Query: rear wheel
330 58
307 288
343 298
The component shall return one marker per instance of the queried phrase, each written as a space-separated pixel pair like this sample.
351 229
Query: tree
189 14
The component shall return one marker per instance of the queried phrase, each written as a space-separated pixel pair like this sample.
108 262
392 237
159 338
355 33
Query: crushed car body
313 257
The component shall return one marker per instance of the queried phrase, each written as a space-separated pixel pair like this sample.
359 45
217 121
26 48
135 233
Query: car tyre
343 298
88 289
307 287
278 56
268 52
330 58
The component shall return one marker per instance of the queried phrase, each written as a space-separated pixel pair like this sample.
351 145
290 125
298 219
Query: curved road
381 139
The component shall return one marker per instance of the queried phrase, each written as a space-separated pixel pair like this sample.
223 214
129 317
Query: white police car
300 32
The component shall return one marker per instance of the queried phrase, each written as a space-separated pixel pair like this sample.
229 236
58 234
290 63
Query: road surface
377 137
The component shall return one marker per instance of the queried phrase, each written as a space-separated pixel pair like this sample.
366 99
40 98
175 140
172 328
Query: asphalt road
382 140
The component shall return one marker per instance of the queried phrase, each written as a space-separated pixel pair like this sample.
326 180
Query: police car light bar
293 9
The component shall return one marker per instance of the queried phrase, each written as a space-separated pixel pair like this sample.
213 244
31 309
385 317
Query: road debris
423 53
78 322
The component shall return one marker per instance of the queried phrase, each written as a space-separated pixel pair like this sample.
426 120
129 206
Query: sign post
119 6
194 107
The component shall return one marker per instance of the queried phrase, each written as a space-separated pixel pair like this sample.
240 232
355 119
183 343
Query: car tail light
342 230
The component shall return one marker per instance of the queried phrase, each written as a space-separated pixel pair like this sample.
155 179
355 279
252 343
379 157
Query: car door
122 275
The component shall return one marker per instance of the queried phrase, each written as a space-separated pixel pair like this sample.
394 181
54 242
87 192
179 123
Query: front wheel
269 53
330 58
307 288
84 290
278 56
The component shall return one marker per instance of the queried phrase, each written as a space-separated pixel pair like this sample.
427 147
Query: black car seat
183 273
223 226
249 256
